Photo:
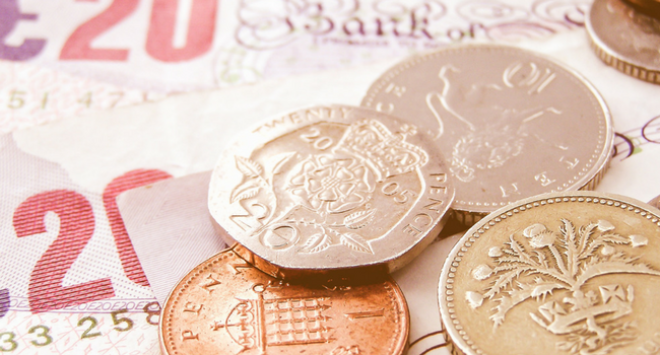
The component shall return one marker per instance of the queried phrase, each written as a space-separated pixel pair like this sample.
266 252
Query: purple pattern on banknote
631 141
4 302
10 15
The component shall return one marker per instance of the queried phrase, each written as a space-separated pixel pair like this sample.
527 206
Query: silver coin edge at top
459 341
471 215
616 60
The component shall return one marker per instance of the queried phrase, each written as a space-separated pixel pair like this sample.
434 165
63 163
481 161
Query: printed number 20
45 290
159 37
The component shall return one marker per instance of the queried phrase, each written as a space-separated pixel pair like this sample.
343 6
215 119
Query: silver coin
625 38
332 188
513 124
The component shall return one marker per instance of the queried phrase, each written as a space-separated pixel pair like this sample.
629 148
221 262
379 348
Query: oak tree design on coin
226 306
358 186
513 124
579 270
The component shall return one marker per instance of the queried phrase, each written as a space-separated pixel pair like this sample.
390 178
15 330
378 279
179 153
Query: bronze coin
226 306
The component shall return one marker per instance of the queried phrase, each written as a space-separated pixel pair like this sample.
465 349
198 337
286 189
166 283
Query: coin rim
472 214
403 320
609 56
464 243
395 259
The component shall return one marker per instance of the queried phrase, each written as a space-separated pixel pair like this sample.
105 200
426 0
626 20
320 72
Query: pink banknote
71 281
177 45
31 95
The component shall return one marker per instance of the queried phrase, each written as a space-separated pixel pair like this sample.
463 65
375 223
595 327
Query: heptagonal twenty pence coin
332 188
569 273
625 38
225 306
511 123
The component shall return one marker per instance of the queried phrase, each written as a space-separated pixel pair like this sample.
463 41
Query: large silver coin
625 38
571 273
513 124
332 188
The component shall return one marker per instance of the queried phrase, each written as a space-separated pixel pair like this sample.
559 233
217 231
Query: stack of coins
322 203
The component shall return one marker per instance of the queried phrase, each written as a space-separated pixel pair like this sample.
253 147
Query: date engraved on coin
332 185
506 118
331 193
577 271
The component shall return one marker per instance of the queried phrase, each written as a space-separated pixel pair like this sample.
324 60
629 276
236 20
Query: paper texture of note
60 227
165 45
170 228
173 214
32 95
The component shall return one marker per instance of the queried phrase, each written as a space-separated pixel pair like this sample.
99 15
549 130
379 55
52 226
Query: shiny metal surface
226 306
332 188
513 124
625 38
561 273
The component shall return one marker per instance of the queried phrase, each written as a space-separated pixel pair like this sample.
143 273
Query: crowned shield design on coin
329 196
339 182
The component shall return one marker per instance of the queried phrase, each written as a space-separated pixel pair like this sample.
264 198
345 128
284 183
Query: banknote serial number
40 335
18 99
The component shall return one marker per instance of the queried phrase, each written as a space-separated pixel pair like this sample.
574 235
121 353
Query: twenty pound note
212 43
71 280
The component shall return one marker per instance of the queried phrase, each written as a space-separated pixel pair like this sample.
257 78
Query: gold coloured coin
225 306
563 273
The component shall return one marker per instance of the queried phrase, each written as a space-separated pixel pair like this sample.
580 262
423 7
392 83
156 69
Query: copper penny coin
512 123
655 202
625 38
562 273
332 188
225 306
